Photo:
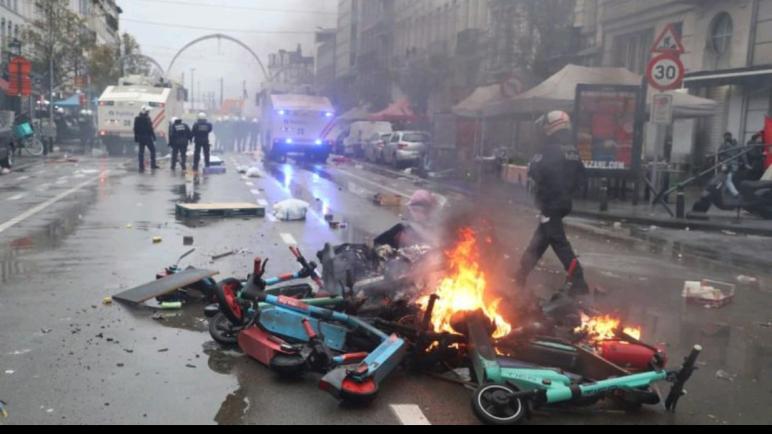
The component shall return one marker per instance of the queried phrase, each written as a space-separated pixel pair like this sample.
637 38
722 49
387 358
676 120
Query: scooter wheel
494 404
228 297
223 331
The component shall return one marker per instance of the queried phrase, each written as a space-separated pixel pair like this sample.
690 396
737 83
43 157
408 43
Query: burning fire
464 289
601 328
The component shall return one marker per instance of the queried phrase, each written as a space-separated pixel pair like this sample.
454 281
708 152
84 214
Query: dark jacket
558 173
143 129
201 130
180 134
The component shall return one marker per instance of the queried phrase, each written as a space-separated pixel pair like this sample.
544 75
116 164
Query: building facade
728 58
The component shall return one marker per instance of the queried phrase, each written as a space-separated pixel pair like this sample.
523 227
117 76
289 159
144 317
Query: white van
362 131
119 105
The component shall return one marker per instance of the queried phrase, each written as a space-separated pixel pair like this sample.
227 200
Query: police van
297 124
120 104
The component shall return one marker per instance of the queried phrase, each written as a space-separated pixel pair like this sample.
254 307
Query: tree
59 41
105 62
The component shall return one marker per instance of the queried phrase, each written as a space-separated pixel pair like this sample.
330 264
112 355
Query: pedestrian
86 130
242 134
254 134
179 138
201 130
144 135
557 173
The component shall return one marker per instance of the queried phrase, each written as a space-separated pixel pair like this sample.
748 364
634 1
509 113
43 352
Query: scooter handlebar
680 378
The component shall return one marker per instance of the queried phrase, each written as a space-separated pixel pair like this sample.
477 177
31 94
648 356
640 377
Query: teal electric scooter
508 389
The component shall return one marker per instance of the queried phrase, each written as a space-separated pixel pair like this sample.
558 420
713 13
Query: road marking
255 192
22 178
288 239
249 184
262 202
32 211
375 184
43 187
17 196
409 414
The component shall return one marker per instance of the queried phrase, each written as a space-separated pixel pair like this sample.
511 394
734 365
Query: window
632 50
721 33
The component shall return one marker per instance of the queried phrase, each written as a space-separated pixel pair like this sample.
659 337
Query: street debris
3 411
747 280
163 350
329 217
223 255
157 240
129 226
723 375
171 305
383 199
107 300
291 209
709 293
617 225
767 324
242 169
187 240
334 225
253 172
9 372
726 232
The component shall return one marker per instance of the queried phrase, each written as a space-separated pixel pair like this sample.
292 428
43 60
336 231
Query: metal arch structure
219 36
143 57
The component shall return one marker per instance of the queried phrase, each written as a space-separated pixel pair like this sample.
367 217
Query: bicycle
26 140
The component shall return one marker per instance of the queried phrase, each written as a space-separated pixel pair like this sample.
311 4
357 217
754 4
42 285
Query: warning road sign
669 41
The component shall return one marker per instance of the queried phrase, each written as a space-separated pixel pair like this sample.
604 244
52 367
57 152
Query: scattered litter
46 331
767 324
171 305
709 293
291 209
726 232
187 240
19 352
334 225
9 372
129 226
157 240
723 375
253 172
190 366
343 225
163 350
107 300
617 225
329 217
383 199
747 280
3 411
223 255
242 169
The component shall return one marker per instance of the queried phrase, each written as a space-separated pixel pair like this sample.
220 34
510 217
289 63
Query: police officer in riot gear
179 137
144 135
557 173
201 130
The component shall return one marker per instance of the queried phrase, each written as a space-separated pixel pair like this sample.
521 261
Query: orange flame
464 289
601 328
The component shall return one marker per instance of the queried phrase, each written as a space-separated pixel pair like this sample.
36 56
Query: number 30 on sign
665 72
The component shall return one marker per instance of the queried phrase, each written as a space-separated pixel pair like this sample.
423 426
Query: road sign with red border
669 41
665 72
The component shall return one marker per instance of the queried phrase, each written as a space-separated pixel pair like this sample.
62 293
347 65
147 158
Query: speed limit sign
665 72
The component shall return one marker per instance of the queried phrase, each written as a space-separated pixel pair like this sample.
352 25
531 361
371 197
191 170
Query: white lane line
17 196
288 239
32 211
255 192
249 184
262 202
409 414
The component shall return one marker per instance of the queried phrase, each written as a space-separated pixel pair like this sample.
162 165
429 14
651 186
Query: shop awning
398 111
727 76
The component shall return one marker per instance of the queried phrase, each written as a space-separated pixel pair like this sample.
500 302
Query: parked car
375 145
361 131
406 148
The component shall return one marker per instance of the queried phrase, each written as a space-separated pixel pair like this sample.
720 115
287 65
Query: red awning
398 111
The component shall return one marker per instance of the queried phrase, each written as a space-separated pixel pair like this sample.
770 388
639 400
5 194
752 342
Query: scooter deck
163 286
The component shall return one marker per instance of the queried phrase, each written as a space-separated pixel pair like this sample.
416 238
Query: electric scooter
508 388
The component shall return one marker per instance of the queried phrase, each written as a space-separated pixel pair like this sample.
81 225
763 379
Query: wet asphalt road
73 233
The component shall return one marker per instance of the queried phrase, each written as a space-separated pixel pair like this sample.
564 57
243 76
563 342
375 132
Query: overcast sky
264 25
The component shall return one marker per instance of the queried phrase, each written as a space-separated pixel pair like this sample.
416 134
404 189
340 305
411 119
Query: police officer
145 137
557 173
179 137
254 133
201 130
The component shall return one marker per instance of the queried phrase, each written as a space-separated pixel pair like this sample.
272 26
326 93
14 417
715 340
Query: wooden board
383 199
236 209
163 286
